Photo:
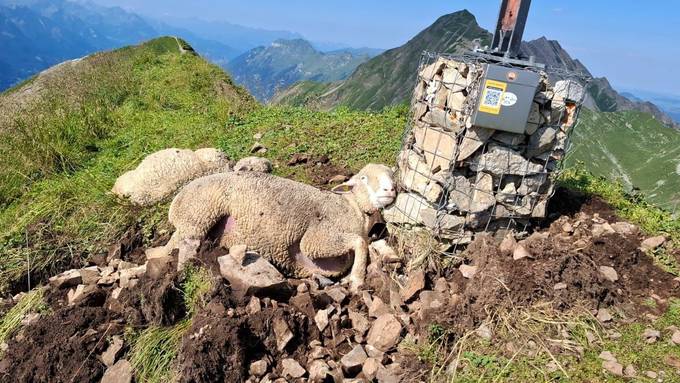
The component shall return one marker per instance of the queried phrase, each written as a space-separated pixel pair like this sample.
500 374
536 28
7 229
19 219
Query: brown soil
225 338
62 348
556 258
318 169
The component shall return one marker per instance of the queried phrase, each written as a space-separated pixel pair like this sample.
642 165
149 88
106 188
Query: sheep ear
342 189
345 188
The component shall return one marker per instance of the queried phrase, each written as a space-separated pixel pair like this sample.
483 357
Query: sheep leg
358 274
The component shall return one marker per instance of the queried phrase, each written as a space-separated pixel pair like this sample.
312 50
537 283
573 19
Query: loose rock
385 332
353 361
292 369
121 372
468 271
282 332
609 273
113 351
259 368
652 243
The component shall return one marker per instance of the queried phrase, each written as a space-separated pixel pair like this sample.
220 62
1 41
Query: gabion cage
457 179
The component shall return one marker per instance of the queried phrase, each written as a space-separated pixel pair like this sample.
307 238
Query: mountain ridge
382 81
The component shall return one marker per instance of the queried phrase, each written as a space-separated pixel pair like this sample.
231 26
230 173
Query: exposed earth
314 329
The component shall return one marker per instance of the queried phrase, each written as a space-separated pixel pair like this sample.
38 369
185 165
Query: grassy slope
633 148
68 149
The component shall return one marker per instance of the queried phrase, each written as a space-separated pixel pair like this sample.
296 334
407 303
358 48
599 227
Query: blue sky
634 43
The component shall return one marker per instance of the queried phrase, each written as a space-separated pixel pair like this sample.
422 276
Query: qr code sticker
492 97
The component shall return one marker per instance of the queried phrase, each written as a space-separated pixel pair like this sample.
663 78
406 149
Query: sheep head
372 188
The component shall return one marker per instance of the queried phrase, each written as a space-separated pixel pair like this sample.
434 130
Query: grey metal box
505 98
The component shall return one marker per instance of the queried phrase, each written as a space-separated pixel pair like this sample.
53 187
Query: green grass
489 361
197 283
154 349
632 148
11 321
106 117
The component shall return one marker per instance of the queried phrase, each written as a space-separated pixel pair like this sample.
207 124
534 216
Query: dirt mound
320 170
61 348
563 265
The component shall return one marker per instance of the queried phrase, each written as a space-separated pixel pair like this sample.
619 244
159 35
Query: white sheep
160 174
299 228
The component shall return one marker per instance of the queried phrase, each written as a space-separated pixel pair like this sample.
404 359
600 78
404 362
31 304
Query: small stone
385 332
69 278
29 319
520 252
321 319
121 372
318 370
615 368
337 294
603 315
651 335
652 243
254 306
259 368
252 276
672 361
282 332
370 368
484 332
416 282
609 273
676 337
468 271
508 244
353 361
651 374
568 228
560 286
113 351
359 322
292 369
257 136
89 275
115 293
607 356
629 371
81 292
602 229
377 308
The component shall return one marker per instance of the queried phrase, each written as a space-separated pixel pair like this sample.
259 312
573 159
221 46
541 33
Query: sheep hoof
355 284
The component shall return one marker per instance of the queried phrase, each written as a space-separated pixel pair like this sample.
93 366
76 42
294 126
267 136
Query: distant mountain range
265 70
37 34
389 78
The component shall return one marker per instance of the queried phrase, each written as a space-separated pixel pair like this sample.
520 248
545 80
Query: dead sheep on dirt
300 229
160 174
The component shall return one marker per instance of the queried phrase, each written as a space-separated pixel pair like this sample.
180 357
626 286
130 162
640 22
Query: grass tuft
154 350
198 282
11 321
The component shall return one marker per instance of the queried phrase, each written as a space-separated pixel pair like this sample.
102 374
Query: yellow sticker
492 98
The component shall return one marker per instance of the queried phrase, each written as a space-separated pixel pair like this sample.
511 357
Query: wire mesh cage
457 179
